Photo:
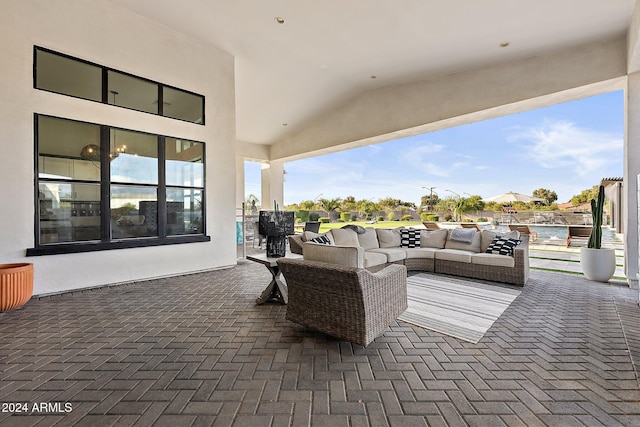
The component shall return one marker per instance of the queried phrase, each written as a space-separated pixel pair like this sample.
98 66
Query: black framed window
101 187
66 75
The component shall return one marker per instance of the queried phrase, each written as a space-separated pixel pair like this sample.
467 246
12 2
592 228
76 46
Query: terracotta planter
16 285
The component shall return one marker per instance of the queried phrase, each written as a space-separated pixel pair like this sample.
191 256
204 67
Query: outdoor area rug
457 307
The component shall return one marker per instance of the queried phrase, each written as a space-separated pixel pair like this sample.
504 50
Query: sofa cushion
392 254
368 239
409 238
428 253
308 235
489 235
341 255
388 238
492 259
371 259
474 246
433 238
345 237
503 246
454 255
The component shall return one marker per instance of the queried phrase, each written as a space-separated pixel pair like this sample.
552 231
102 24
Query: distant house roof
609 181
568 206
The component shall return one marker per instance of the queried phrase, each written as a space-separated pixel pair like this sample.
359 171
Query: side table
277 288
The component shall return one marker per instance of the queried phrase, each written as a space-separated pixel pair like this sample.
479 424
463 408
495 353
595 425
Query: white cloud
558 144
423 158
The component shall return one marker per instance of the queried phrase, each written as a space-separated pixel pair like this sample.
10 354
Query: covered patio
197 350
162 329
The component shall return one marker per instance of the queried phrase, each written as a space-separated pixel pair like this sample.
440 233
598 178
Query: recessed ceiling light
504 44
285 124
279 20
373 77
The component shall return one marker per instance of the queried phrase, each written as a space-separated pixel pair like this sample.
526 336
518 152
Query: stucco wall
100 32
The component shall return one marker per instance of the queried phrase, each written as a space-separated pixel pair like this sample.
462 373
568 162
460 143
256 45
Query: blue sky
565 148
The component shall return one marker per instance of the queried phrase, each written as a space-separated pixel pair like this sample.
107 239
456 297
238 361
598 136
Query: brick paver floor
196 350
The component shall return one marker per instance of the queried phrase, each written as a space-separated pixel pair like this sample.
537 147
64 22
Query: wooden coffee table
277 288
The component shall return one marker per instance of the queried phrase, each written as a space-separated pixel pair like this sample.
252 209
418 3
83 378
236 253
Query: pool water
559 232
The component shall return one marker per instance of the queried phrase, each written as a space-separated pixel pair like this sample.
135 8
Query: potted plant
16 285
597 263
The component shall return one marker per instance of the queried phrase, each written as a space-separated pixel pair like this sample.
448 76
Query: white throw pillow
433 238
368 239
345 237
388 238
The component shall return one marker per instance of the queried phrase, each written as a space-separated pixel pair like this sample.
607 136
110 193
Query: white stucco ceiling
326 52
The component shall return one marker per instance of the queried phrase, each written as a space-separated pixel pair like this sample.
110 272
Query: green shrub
313 216
345 216
448 217
380 218
467 220
391 216
324 220
407 217
429 217
482 219
354 217
303 215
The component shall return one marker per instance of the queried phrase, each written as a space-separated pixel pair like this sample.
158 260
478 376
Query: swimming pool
559 232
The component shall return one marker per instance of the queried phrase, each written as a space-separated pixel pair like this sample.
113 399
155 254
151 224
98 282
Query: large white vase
598 264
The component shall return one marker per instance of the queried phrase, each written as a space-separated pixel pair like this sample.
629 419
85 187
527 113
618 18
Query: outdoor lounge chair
578 233
524 229
430 225
470 225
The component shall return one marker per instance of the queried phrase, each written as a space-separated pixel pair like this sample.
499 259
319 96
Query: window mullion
162 187
105 184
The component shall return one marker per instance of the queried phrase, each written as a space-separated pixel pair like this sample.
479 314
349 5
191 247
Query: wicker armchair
348 303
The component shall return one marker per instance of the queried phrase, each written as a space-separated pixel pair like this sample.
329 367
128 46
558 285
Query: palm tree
330 205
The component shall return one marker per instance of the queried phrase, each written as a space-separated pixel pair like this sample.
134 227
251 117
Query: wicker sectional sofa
434 251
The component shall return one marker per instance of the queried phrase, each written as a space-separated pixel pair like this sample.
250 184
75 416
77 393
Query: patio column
240 196
272 184
631 172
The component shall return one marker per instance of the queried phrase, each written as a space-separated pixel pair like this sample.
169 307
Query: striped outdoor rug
455 307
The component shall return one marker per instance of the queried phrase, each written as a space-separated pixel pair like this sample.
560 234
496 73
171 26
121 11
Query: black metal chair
313 226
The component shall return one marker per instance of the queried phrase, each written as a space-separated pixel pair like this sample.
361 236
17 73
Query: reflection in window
184 162
74 77
71 184
68 149
68 212
134 212
60 74
184 211
182 105
134 157
132 92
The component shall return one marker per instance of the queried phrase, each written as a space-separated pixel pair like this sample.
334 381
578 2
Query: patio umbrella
510 197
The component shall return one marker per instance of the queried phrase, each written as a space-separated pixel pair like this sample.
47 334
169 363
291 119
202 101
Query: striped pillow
322 239
409 238
503 246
